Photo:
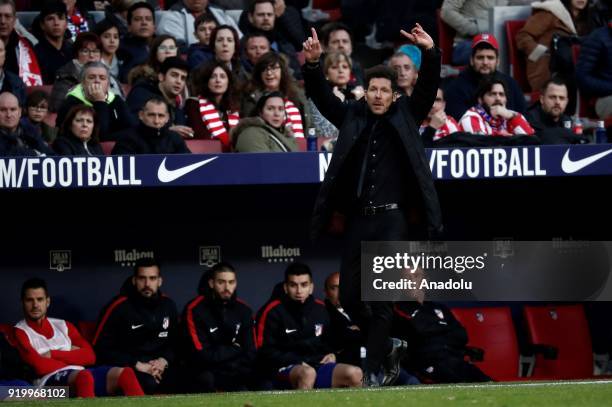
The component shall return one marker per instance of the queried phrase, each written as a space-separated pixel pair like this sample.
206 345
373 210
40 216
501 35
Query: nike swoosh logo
213 329
288 331
137 326
569 167
165 175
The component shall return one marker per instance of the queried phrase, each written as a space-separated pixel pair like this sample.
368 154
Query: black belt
373 210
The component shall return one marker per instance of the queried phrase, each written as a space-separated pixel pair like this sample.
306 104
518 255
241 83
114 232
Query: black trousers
374 318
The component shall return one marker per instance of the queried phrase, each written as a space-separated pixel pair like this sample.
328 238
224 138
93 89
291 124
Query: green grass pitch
588 393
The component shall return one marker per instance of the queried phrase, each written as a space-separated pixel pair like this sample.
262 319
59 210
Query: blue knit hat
413 52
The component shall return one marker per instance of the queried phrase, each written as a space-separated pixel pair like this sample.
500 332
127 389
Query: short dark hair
173 62
36 98
66 126
253 3
297 269
382 71
487 83
203 18
554 80
331 27
136 6
83 39
146 261
33 283
104 25
156 100
220 268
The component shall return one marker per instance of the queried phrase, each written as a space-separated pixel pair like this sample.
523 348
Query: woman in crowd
265 133
37 109
79 133
214 112
337 68
225 43
87 48
162 47
271 74
108 31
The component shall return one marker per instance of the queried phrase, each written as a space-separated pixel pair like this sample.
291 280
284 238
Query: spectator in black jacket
594 69
111 110
134 47
220 334
261 16
170 86
549 112
54 50
18 139
11 83
152 135
293 338
138 330
79 133
461 91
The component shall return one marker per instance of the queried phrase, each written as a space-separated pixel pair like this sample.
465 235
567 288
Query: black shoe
391 364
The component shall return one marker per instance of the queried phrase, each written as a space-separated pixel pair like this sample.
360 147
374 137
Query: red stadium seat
564 328
46 88
518 65
87 330
204 146
492 330
107 147
331 7
446 35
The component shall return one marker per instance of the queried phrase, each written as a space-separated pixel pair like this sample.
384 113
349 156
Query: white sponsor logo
210 255
60 260
569 167
137 326
486 163
128 258
166 175
279 254
213 329
289 331
324 160
68 172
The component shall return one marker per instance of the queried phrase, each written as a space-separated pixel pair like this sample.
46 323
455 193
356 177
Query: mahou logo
280 253
128 258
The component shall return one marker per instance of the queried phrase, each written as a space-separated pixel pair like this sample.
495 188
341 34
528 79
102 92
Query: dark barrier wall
84 241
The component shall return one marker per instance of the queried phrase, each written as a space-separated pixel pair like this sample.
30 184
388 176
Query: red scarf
294 119
215 126
29 71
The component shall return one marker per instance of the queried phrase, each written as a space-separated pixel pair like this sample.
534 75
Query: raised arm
426 88
317 87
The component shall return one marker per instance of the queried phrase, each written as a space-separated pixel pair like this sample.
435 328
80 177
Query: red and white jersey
449 127
475 121
66 348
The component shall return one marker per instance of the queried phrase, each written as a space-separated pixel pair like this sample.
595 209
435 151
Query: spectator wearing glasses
86 49
37 109
162 47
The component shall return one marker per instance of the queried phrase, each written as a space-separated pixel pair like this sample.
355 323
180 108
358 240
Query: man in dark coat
379 179
549 112
152 135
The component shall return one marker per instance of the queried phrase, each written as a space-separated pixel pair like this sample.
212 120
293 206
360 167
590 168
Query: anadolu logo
128 258
280 253
60 260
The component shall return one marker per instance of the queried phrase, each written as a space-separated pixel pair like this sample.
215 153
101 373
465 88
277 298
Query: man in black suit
380 180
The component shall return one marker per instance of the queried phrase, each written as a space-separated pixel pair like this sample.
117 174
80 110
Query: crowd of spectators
210 67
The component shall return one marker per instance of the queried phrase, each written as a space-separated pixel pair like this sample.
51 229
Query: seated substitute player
221 334
292 338
138 329
58 353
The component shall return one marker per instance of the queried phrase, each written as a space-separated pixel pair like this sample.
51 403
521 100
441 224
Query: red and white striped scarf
215 126
294 119
29 71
